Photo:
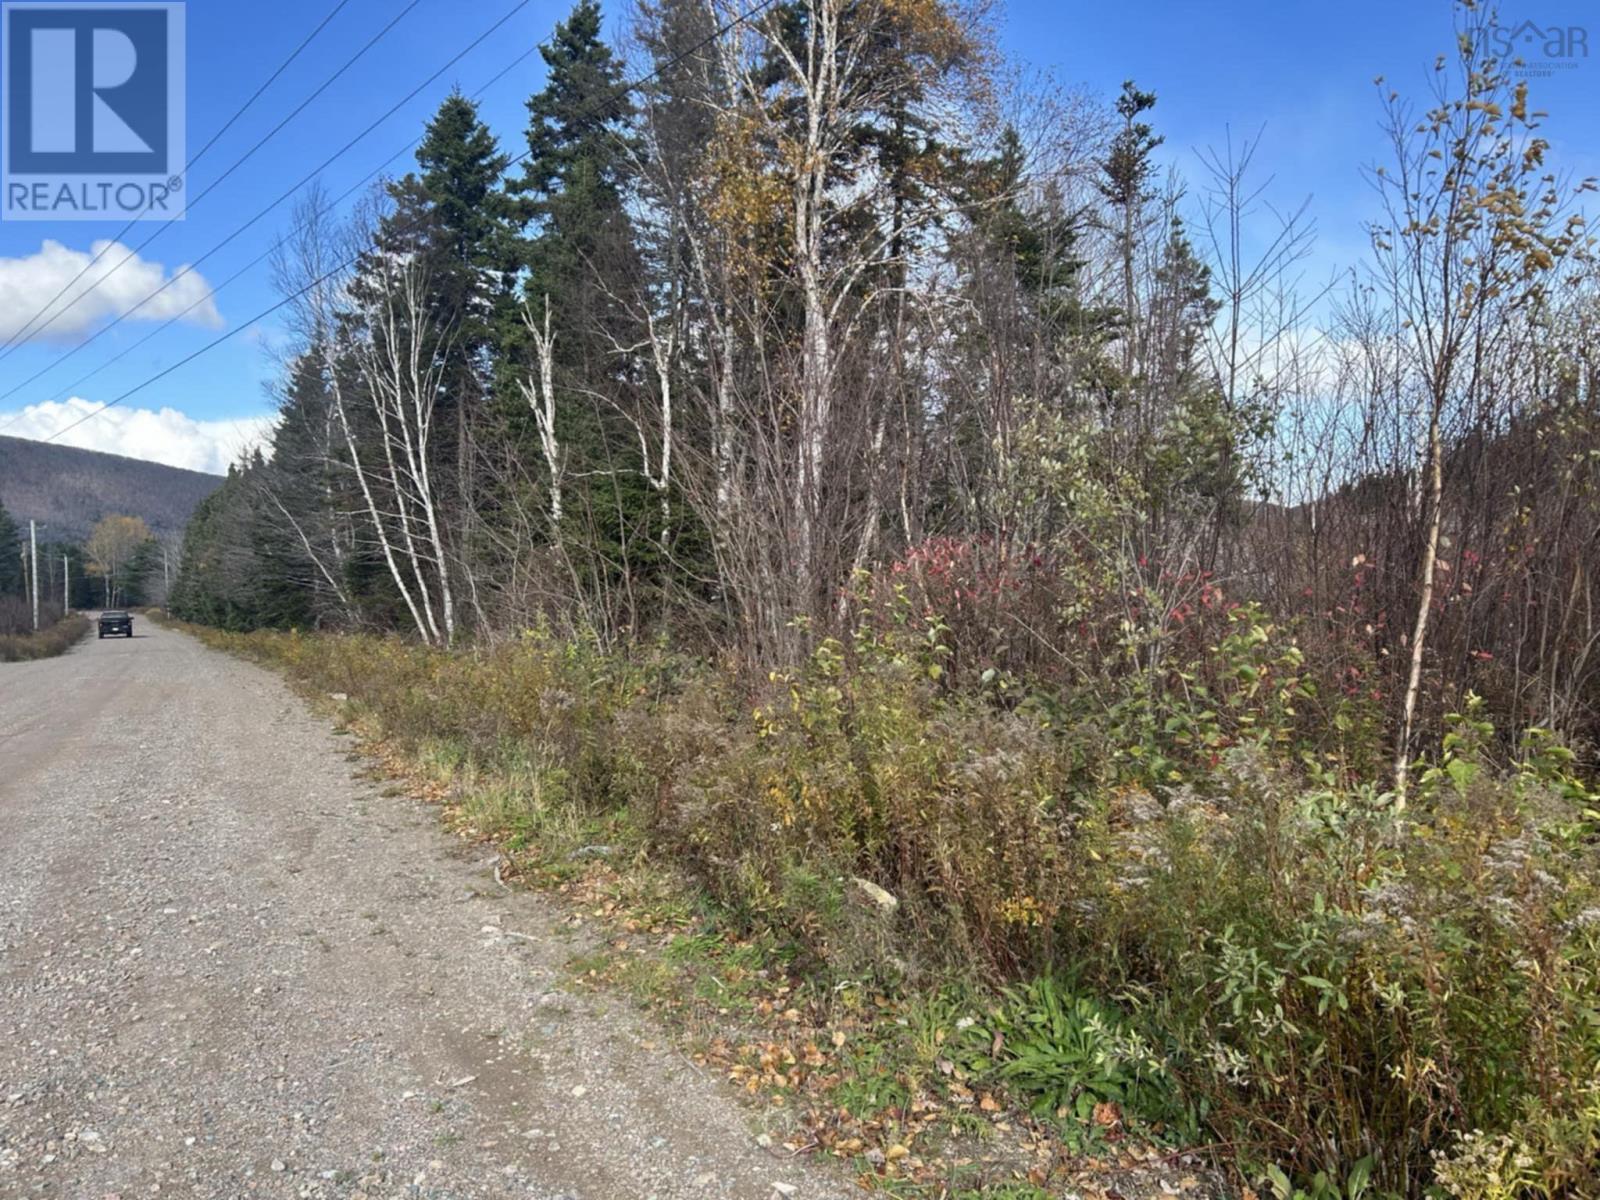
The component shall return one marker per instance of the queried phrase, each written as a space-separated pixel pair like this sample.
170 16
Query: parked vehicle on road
116 621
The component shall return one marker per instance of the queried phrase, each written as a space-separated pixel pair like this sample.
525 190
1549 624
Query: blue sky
1298 75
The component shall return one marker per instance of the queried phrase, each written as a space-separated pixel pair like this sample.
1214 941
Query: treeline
120 563
824 294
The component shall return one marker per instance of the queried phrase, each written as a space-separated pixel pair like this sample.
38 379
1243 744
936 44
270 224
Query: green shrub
1342 985
1070 1054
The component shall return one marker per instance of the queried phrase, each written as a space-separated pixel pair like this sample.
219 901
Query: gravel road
229 968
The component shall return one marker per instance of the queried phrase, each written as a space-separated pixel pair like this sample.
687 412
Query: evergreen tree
580 258
12 577
453 227
573 189
218 565
454 216
462 169
1040 238
471 221
1125 178
578 124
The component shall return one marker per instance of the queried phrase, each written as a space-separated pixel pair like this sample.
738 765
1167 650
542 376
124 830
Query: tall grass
54 639
1209 917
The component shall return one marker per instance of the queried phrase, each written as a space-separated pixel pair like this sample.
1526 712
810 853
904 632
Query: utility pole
33 570
66 586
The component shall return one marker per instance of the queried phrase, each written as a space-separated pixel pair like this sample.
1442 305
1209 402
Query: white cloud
106 290
164 436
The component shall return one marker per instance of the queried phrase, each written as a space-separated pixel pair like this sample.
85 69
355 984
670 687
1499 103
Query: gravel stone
230 969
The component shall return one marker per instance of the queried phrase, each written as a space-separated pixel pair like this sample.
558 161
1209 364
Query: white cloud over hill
158 435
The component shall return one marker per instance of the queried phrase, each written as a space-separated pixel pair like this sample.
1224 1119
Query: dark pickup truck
116 622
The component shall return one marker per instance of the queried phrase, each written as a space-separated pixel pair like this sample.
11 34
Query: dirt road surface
229 968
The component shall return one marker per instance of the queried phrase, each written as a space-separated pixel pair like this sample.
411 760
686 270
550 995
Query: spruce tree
580 257
573 187
473 221
12 579
454 215
1125 178
578 123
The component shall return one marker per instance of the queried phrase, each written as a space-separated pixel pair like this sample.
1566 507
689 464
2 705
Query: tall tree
470 236
575 350
1126 182
581 153
12 576
112 545
1471 235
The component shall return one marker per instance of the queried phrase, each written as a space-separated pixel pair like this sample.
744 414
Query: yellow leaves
1519 103
1021 910
745 199
764 1066
929 30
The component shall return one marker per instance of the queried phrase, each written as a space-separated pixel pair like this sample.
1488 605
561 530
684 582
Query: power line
255 262
616 95
293 188
271 79
15 341
226 125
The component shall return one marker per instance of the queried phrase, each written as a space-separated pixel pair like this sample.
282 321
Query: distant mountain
70 489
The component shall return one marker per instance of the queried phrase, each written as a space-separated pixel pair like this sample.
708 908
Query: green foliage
239 568
1127 165
573 187
1343 986
455 213
1070 1054
12 578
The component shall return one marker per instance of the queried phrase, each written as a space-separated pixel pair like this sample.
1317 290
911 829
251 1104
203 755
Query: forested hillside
70 489
825 468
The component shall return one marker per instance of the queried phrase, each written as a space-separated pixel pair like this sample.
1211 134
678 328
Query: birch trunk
541 397
1419 633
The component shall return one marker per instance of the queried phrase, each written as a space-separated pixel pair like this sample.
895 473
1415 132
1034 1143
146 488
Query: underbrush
1168 906
47 643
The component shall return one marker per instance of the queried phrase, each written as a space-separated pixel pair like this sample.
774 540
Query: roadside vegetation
925 569
18 640
57 634
1183 914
